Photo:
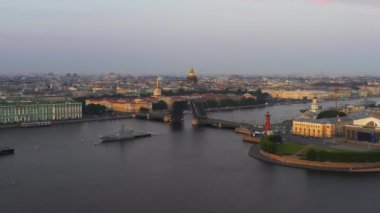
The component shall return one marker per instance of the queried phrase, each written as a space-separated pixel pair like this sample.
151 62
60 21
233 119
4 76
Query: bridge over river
200 118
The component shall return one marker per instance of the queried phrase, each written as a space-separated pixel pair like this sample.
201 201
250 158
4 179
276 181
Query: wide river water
63 169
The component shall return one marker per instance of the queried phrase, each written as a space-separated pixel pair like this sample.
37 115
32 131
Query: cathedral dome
192 77
191 74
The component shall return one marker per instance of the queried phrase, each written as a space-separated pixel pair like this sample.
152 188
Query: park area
313 152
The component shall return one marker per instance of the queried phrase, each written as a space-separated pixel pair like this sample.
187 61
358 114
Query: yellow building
301 94
131 106
320 128
308 127
121 90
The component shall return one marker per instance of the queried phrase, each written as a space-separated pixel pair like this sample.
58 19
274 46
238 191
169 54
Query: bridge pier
166 118
195 122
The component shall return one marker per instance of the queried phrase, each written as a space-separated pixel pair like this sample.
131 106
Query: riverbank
277 103
257 153
18 125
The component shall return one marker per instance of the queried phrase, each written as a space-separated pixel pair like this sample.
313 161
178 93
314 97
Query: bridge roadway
156 116
200 118
219 123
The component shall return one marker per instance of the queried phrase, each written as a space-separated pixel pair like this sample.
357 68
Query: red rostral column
267 123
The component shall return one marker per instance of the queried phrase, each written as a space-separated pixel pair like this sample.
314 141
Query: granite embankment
259 154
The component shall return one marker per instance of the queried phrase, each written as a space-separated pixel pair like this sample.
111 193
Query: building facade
131 106
44 109
313 128
301 94
364 129
320 128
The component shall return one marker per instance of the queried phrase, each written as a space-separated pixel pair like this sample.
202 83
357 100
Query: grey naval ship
124 134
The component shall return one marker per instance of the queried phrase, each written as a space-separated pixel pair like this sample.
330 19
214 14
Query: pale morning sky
169 36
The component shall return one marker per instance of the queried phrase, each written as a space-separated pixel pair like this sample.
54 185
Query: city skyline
168 37
189 106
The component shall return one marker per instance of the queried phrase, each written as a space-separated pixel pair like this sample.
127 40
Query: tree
322 155
160 105
276 138
212 104
331 114
261 97
94 109
228 102
247 101
311 155
144 110
168 93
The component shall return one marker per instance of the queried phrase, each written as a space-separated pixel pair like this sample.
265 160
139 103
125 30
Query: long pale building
130 106
38 109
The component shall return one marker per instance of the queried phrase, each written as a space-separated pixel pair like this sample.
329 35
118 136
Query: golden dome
191 74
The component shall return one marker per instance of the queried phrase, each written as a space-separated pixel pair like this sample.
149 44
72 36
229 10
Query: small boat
6 151
36 124
243 130
253 138
124 134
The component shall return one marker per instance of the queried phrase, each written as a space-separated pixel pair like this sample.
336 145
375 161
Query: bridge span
200 118
172 115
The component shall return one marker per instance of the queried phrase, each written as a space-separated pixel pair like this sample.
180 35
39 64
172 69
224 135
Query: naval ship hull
112 139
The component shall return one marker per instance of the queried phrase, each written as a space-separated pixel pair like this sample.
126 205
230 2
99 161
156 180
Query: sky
250 37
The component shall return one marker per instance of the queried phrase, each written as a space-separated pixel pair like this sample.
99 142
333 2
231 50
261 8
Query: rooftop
35 100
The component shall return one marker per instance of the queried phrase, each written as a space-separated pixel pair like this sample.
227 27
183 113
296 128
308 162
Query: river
64 169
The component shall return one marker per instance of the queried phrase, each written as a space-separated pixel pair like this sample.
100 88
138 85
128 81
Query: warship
124 134
6 151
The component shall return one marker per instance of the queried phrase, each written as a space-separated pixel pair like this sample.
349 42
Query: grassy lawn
313 152
293 148
289 148
296 149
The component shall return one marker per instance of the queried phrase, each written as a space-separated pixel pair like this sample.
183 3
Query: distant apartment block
19 110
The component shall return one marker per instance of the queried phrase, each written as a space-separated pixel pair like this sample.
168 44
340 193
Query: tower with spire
314 105
157 89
